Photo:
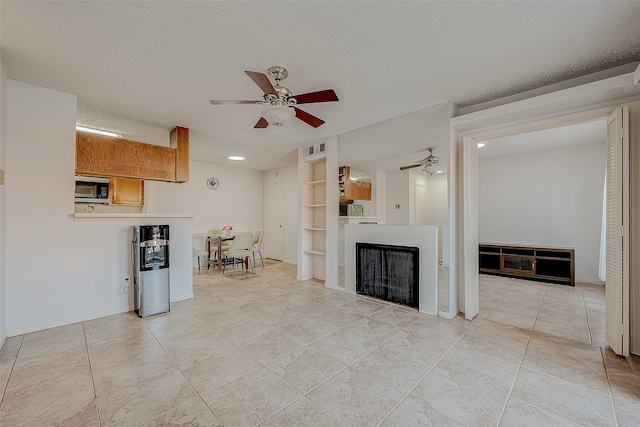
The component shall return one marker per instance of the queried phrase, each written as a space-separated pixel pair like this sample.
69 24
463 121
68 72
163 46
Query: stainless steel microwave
92 190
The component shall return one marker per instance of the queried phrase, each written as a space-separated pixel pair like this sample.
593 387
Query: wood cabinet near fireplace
547 264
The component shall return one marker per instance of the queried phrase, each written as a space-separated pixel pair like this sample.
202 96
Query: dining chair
197 253
257 246
225 245
239 250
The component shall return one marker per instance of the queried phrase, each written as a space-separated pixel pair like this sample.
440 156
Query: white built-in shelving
314 217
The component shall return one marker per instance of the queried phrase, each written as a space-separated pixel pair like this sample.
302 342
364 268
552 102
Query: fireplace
388 272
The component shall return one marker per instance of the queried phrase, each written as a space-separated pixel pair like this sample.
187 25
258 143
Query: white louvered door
617 272
470 176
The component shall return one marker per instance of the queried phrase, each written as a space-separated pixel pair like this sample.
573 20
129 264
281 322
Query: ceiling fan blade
322 96
308 118
410 166
262 123
225 101
262 80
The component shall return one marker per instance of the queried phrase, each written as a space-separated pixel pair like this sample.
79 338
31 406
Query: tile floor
267 350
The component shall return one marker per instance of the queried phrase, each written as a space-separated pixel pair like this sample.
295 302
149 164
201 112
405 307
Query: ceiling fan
281 101
430 164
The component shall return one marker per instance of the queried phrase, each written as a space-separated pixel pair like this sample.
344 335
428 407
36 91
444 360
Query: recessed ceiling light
235 158
481 144
98 131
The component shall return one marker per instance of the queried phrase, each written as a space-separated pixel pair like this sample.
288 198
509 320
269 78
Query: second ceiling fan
281 101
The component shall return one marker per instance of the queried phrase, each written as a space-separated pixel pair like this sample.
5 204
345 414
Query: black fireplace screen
388 272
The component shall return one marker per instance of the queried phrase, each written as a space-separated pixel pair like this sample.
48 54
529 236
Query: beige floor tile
481 367
43 366
338 298
264 305
373 330
129 370
244 330
222 317
367 390
338 316
271 345
283 317
454 395
627 412
194 413
53 344
569 360
517 309
502 340
512 319
239 298
425 348
577 331
310 329
345 346
364 306
54 333
440 327
250 399
116 348
220 369
522 414
46 398
412 413
188 350
306 367
397 315
573 402
145 400
85 415
301 413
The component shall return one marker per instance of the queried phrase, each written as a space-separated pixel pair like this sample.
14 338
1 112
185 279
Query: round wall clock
213 183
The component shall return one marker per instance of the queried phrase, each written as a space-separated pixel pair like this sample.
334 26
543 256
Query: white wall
437 199
236 202
60 271
3 215
289 178
546 198
397 194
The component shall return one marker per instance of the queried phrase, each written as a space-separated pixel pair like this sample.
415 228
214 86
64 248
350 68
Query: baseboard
333 287
182 297
590 282
446 314
67 321
3 338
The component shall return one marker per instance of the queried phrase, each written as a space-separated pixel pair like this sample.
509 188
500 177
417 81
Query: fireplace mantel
424 237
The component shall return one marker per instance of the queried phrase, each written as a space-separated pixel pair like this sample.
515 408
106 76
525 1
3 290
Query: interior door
470 214
273 238
617 263
420 204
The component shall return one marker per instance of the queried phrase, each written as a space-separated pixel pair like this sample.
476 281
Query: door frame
535 123
280 184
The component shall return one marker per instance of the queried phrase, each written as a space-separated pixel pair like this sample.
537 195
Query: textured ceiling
141 68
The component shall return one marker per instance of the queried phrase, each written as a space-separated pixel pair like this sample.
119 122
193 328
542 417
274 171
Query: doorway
273 221
470 275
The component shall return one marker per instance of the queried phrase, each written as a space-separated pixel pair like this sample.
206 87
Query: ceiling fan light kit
281 101
278 115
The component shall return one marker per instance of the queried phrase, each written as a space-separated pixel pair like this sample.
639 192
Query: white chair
239 250
197 253
257 246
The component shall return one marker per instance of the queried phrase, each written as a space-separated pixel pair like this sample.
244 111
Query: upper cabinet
352 189
126 191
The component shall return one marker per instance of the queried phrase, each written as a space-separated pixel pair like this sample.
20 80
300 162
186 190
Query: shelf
314 252
314 229
315 206
318 182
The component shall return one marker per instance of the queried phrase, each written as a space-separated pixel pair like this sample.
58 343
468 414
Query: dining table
217 240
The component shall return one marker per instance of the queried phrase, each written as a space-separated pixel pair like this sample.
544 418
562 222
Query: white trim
81 216
85 317
636 76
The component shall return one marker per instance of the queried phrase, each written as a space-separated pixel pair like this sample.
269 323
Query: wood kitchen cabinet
352 190
126 191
